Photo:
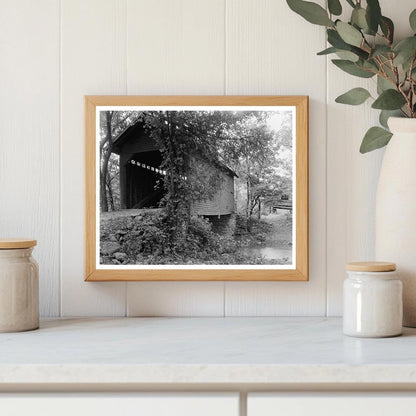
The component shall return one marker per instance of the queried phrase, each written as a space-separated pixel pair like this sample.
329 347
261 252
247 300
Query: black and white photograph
195 186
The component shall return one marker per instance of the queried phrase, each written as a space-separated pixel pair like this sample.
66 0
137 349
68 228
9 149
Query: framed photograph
196 188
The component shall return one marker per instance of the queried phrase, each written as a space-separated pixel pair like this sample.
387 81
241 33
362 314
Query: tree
248 145
112 123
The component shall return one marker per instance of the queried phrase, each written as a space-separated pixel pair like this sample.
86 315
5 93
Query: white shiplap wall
53 52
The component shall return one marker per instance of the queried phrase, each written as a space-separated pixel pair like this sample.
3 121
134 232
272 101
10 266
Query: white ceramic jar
19 286
372 300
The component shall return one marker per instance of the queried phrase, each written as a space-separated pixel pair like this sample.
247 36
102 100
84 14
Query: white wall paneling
151 404
175 299
56 51
93 51
262 60
29 134
175 47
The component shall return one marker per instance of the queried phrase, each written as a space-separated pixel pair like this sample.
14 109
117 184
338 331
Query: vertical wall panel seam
225 47
224 290
326 186
126 90
326 182
60 222
243 403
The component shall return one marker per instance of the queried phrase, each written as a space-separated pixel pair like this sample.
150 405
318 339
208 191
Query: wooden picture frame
95 271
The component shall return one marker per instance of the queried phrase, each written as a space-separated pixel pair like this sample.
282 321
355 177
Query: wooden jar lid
13 243
371 266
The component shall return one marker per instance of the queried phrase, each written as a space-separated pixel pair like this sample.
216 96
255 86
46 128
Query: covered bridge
141 177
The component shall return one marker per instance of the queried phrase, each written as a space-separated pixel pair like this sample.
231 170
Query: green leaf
375 138
371 65
334 7
352 68
387 27
358 18
383 85
389 100
335 40
380 50
347 55
405 50
412 20
311 12
350 56
327 51
386 114
349 34
356 96
373 14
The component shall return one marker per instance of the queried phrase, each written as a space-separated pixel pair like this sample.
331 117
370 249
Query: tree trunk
110 194
103 180
105 157
259 211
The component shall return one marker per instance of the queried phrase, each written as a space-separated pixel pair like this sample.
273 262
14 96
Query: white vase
396 210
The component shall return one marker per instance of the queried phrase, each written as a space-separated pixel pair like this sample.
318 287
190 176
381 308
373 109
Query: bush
145 239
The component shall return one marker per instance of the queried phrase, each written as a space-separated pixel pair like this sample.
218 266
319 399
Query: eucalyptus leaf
387 27
375 138
336 41
360 52
383 50
405 50
383 85
371 64
347 55
389 100
412 20
327 51
386 114
406 65
352 68
349 34
373 14
356 96
334 7
358 18
311 12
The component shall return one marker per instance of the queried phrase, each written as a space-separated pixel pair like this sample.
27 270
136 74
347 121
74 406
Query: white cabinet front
331 404
119 404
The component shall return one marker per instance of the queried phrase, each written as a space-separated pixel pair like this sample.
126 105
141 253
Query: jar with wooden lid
19 286
372 300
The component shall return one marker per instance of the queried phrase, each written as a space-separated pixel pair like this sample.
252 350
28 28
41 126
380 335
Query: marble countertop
235 351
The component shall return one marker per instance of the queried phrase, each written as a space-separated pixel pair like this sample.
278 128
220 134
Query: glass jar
19 286
372 300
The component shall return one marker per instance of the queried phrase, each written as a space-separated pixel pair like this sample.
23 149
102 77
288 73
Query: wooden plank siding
222 202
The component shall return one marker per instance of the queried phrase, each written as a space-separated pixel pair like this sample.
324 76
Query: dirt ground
281 235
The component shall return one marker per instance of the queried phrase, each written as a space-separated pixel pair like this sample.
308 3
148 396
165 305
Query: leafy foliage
312 12
365 44
389 100
334 7
144 239
356 96
412 20
375 138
